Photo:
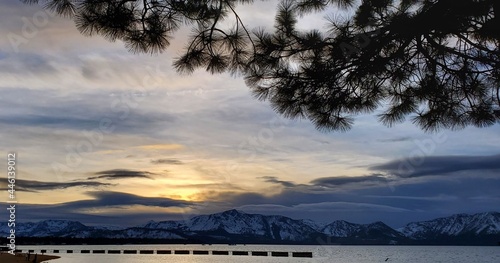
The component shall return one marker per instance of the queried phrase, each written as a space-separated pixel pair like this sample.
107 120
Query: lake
354 254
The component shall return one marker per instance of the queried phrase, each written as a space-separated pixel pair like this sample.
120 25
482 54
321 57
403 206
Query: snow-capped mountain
74 229
279 228
234 222
46 228
238 227
340 228
343 228
168 225
455 225
140 233
318 226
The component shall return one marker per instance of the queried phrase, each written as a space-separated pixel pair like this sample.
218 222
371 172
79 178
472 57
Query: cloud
18 190
397 139
40 120
438 165
331 183
344 180
111 199
35 186
207 186
325 207
83 111
159 147
121 174
167 161
412 201
275 180
26 63
418 198
106 198
84 210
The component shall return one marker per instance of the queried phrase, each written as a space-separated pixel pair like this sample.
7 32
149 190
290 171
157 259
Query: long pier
217 252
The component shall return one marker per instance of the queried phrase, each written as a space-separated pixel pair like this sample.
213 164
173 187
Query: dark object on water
302 254
386 259
259 253
279 254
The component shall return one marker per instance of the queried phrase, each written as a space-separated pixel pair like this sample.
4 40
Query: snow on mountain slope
168 225
236 222
63 228
233 224
340 228
45 228
143 233
318 226
459 224
232 221
284 228
240 223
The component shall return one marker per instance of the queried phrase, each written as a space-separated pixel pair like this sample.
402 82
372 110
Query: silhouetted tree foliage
436 61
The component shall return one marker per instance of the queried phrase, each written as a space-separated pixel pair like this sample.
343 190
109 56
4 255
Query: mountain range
234 226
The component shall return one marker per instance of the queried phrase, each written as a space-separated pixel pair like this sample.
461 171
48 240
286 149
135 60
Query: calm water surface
347 254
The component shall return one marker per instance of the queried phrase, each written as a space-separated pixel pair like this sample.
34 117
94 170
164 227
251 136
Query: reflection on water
77 257
322 254
172 258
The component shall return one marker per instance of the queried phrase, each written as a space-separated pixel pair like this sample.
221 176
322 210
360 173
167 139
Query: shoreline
21 258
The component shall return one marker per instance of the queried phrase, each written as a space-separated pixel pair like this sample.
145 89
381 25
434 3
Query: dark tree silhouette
436 61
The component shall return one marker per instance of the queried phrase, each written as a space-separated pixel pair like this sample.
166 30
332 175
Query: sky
108 137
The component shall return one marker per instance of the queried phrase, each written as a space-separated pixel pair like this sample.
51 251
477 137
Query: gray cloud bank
121 174
35 186
439 165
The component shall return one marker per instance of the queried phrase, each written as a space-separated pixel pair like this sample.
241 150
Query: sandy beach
21 258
